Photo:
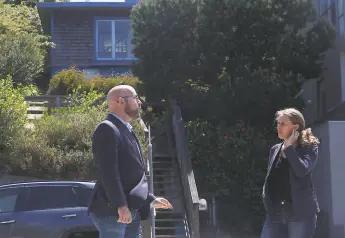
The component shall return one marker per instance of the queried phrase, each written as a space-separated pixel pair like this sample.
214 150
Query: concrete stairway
166 182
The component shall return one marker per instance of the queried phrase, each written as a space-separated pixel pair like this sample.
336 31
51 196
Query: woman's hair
306 137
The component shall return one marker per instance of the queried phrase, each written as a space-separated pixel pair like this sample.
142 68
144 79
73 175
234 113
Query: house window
341 18
113 39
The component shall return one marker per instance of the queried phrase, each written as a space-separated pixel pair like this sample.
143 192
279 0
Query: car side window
84 196
51 197
8 199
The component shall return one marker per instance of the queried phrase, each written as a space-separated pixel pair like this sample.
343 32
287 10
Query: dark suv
46 210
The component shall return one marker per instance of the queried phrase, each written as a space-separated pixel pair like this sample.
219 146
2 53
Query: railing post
57 101
153 211
191 197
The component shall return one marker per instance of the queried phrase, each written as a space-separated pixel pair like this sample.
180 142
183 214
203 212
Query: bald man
121 197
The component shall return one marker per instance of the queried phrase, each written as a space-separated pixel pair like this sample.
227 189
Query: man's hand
125 215
162 203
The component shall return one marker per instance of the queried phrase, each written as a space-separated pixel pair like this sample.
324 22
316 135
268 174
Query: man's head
124 102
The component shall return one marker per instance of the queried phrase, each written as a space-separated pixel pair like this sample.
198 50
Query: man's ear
296 127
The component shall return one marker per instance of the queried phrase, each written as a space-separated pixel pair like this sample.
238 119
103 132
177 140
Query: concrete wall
330 84
333 81
329 175
337 165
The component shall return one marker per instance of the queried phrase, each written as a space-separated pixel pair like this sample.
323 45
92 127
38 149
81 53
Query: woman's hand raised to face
292 139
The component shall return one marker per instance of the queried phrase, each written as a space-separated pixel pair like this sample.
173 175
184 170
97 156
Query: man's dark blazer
302 161
120 169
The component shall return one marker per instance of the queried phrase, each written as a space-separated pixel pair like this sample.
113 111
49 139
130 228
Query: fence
37 105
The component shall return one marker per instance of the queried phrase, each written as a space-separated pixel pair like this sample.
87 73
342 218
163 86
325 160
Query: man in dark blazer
121 197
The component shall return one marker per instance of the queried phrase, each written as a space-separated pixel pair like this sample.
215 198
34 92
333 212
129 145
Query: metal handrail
191 197
152 210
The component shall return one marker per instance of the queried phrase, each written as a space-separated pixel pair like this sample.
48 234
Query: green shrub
102 84
13 110
59 147
21 57
234 158
67 80
22 43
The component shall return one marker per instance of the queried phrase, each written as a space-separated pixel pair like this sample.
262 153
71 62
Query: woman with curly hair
288 192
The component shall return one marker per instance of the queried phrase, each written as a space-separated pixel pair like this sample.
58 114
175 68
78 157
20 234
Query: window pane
51 197
8 199
340 7
341 25
333 13
84 196
123 37
104 37
326 16
323 6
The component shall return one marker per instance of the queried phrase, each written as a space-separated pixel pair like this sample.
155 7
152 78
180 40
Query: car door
9 209
49 212
84 195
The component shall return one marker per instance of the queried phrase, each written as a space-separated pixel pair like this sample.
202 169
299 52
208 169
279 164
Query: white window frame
113 39
341 18
323 6
340 9
342 75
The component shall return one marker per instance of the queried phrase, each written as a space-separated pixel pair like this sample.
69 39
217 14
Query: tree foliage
164 35
22 43
230 64
228 54
13 115
233 169
59 145
67 80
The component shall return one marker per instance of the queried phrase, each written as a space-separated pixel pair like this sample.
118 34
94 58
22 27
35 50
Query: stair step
162 161
170 228
166 189
162 190
169 236
163 169
165 176
162 212
159 216
163 166
169 220
158 155
167 212
169 190
169 196
168 182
